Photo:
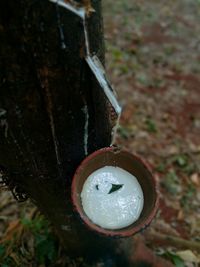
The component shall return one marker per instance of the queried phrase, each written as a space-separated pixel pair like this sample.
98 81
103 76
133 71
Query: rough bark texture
44 86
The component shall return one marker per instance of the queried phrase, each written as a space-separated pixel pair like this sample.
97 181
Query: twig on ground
169 240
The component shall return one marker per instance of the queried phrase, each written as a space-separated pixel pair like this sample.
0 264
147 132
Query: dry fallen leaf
84 3
15 257
188 255
88 6
180 216
195 179
14 227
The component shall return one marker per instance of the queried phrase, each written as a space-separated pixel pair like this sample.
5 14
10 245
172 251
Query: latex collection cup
114 192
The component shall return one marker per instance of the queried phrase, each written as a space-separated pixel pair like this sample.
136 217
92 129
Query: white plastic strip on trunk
93 61
71 6
99 72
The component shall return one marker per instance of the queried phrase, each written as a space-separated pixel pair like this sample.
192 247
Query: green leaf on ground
171 182
151 125
175 259
45 248
161 167
2 251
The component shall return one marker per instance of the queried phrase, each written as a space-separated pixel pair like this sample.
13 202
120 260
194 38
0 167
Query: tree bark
46 89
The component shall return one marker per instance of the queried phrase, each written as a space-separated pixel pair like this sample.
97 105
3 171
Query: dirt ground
153 61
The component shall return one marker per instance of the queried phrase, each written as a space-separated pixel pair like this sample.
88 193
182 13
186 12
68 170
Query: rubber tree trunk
47 93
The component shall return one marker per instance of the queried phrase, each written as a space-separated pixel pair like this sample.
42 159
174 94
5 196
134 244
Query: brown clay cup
111 156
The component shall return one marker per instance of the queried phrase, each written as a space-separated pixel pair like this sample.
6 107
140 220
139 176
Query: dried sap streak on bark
44 87
43 76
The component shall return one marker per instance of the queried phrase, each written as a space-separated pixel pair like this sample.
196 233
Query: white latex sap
112 198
